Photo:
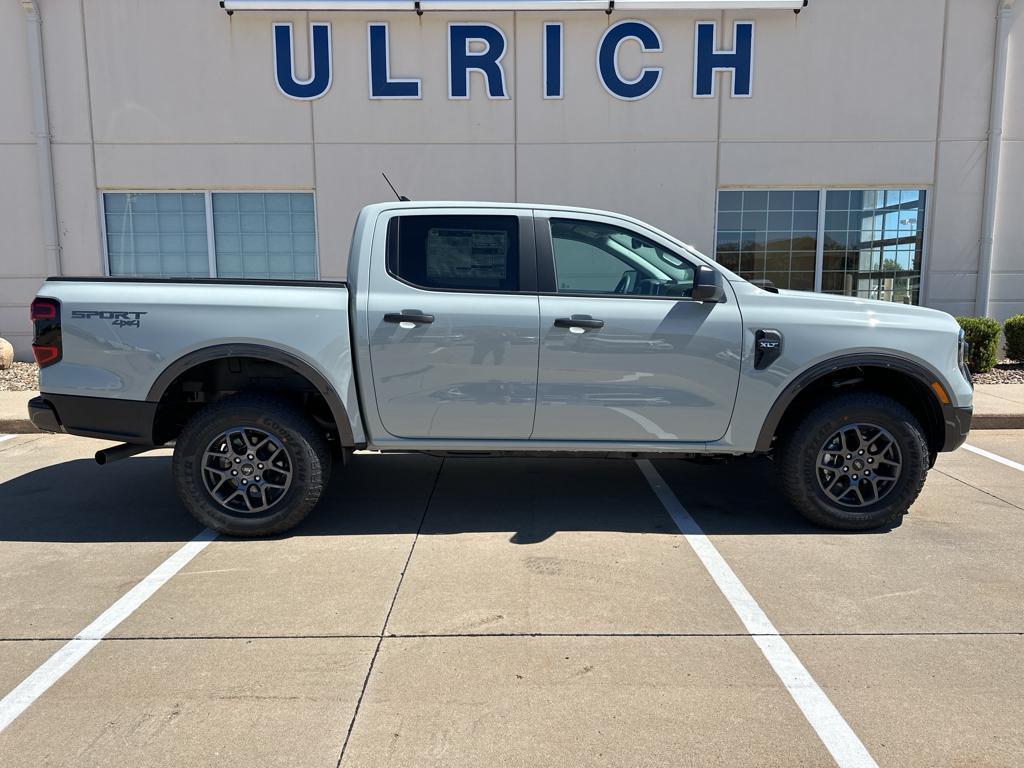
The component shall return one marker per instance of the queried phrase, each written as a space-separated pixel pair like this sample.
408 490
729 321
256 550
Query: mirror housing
707 285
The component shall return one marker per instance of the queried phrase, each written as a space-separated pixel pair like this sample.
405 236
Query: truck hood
880 310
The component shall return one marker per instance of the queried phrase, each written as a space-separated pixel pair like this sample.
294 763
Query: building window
873 244
865 243
156 235
769 236
269 235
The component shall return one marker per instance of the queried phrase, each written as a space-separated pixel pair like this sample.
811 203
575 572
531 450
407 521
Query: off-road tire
306 447
797 453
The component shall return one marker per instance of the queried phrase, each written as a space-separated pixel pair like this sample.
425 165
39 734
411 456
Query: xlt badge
767 348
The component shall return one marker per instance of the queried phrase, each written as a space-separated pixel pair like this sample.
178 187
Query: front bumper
958 424
43 415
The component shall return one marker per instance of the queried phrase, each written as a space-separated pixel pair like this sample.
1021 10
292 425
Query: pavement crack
387 618
987 493
21 444
498 635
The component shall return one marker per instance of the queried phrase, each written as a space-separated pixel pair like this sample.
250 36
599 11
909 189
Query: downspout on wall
995 148
44 150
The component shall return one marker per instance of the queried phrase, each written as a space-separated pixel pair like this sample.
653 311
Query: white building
845 148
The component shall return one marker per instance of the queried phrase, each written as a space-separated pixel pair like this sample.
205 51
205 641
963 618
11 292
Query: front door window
597 258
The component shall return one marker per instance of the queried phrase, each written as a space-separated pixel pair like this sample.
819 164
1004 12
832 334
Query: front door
625 354
453 321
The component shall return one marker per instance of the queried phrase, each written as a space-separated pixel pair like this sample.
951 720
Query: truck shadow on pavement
531 499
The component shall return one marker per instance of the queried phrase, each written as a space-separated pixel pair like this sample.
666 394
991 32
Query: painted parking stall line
835 733
51 670
994 457
4 438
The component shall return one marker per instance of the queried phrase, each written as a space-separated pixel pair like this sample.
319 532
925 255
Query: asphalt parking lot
474 612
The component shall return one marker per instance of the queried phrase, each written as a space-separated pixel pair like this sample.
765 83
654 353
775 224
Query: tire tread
316 451
799 486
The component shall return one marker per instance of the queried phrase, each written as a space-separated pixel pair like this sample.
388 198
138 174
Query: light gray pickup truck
478 328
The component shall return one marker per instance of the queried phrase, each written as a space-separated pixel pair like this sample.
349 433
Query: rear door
625 353
453 320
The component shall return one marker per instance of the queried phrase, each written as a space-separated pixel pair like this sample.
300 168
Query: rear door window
456 253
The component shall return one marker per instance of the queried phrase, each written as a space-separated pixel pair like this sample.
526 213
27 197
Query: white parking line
6 437
994 457
51 670
835 733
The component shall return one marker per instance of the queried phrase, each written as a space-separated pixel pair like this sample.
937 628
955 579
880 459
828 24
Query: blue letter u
319 62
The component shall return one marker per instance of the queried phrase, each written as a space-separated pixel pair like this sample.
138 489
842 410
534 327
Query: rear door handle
578 322
408 317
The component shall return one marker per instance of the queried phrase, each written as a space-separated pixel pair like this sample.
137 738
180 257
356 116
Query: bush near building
982 333
1013 330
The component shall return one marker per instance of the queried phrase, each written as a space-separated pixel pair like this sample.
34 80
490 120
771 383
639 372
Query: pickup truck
500 329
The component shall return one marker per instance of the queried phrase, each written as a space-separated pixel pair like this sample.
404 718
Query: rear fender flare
288 360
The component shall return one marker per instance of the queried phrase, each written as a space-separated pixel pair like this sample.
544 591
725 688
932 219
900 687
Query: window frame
526 241
819 252
547 275
211 245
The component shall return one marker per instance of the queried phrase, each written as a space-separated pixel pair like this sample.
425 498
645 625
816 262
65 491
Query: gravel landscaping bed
1006 372
21 377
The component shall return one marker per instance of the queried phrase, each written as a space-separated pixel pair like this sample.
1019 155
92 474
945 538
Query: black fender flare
918 371
288 360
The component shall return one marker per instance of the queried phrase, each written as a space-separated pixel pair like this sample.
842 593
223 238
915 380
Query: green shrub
982 334
1013 330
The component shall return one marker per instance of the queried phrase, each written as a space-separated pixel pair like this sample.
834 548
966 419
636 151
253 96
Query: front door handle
578 322
407 316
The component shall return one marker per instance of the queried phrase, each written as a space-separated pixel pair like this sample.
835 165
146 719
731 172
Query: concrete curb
17 427
998 421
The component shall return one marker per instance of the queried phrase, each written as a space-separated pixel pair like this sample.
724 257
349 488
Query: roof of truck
489 204
420 204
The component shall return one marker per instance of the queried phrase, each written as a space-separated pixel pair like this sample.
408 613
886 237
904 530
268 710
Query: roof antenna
401 198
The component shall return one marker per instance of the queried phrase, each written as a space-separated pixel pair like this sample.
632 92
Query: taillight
47 347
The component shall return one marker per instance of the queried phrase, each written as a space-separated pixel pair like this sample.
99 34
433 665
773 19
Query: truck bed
124 339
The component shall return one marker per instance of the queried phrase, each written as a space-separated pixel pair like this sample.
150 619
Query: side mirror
707 285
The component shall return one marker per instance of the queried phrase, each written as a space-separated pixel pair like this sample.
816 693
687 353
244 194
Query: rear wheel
855 462
250 465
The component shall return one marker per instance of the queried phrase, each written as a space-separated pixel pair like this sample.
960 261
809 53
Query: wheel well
906 389
213 380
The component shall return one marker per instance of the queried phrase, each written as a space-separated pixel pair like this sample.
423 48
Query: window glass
256 234
478 253
873 244
769 235
156 234
592 257
265 235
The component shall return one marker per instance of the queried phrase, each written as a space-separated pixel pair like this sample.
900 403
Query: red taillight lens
47 346
43 309
45 354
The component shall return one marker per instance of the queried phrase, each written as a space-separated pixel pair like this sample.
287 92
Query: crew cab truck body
503 329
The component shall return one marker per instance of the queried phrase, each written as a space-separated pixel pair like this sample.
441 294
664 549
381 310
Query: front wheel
855 462
250 465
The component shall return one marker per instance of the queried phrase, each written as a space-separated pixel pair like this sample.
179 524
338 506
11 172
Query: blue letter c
608 59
